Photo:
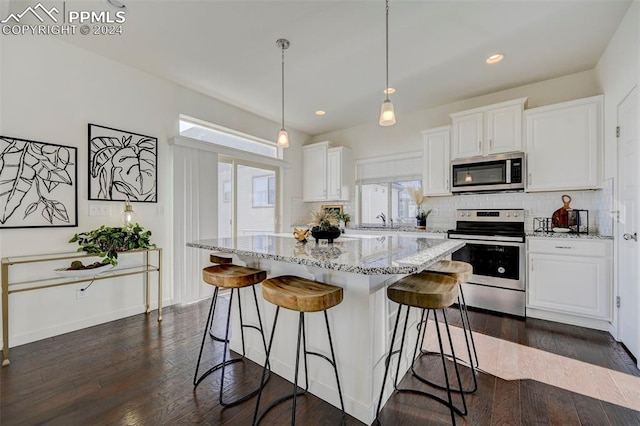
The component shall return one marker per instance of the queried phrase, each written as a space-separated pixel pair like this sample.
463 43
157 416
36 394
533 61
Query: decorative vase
326 234
421 223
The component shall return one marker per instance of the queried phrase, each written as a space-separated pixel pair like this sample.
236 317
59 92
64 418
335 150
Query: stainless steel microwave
503 172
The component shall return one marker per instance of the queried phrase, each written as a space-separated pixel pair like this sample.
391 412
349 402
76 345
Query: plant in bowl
345 218
107 241
325 225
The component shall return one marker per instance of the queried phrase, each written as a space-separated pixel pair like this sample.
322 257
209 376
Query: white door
629 255
247 198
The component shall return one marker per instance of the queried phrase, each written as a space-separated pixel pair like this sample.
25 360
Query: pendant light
387 113
283 136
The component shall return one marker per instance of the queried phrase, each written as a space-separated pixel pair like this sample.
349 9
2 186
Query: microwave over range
503 172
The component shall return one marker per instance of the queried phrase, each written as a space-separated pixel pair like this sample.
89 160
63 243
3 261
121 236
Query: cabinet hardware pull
564 247
479 145
490 143
531 265
529 178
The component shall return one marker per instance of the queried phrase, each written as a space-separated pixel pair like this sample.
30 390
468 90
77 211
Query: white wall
49 91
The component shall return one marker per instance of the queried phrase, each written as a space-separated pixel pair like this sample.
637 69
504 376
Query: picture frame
122 165
336 208
38 184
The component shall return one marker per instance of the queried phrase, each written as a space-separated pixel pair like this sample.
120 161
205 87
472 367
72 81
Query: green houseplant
107 241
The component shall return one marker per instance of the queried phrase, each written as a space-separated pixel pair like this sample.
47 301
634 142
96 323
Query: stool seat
300 294
424 290
232 276
220 258
461 271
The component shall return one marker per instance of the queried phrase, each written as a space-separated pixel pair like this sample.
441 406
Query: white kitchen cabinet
435 157
327 172
570 281
564 145
489 130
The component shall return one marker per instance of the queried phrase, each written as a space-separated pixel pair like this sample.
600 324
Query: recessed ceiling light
494 59
389 91
320 113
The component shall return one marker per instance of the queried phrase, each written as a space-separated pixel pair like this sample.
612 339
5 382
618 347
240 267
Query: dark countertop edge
568 235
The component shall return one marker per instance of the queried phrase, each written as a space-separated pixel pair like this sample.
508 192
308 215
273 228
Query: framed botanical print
122 165
38 184
336 208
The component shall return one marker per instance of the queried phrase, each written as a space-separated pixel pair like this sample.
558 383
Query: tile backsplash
599 203
535 204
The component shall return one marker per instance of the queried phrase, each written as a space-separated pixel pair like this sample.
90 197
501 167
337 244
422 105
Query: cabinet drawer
570 246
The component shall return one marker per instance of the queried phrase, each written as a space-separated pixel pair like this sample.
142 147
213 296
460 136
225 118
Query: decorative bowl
329 234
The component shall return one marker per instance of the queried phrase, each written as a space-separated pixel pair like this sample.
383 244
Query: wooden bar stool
428 292
234 277
301 295
462 273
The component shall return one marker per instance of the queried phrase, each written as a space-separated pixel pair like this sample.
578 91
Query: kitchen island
361 325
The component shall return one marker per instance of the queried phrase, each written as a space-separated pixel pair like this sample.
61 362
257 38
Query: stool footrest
434 397
277 402
442 387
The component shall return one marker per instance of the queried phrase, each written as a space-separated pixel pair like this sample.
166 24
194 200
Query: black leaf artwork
37 176
122 165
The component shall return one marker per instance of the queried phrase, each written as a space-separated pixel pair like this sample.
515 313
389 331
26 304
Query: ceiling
227 49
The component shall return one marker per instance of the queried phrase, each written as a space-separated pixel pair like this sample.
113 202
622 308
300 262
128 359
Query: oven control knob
516 215
508 214
501 270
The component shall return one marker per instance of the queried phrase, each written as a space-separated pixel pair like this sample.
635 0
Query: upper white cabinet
493 129
326 172
564 145
435 156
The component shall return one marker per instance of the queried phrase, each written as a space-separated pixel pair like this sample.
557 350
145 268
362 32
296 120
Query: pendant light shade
387 112
283 136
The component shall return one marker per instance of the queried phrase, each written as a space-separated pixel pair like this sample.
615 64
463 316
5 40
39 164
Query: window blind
407 166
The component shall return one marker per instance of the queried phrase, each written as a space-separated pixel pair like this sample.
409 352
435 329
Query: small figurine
301 235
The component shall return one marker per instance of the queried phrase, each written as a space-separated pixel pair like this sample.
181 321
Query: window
389 198
207 132
264 191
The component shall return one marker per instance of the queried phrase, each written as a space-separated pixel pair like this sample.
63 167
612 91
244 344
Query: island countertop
368 255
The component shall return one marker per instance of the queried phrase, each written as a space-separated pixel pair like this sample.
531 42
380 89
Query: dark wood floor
134 372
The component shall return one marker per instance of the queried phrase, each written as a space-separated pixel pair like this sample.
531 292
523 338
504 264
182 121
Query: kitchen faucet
383 217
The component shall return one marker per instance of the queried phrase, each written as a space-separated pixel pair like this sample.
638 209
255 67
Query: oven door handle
486 238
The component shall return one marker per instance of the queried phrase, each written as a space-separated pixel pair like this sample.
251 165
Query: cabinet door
504 129
563 147
436 169
334 174
570 284
467 135
314 172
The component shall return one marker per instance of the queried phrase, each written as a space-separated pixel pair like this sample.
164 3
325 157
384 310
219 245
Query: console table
49 281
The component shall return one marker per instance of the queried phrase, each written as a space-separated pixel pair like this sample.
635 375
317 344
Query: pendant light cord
283 86
386 88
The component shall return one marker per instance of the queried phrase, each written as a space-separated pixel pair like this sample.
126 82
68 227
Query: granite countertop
568 235
367 255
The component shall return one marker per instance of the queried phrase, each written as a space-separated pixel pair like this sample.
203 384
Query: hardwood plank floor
134 372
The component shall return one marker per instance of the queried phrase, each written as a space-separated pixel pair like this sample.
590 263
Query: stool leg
264 342
204 336
241 322
387 362
465 328
404 334
225 347
455 362
335 366
215 302
295 374
444 368
473 343
256 420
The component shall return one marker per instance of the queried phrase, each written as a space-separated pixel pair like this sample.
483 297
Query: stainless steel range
495 247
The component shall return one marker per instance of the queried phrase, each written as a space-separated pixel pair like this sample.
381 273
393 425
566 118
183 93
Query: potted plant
107 241
418 197
421 218
344 218
325 225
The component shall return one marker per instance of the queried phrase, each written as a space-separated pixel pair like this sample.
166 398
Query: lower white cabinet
569 280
